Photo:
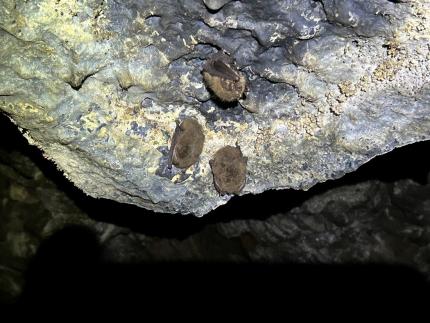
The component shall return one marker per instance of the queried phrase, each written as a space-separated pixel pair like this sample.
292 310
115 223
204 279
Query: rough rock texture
379 214
99 85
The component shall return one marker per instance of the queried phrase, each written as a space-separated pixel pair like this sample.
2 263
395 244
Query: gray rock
99 85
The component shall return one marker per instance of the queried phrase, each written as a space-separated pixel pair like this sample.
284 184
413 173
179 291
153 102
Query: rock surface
99 86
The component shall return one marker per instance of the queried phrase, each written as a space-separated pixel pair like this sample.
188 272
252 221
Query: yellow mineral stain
59 17
102 132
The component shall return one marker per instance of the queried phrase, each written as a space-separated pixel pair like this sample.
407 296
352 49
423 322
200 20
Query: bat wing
220 69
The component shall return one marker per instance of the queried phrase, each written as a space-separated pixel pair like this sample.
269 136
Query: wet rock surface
99 86
54 238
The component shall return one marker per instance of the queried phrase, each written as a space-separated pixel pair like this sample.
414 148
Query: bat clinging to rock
223 78
187 143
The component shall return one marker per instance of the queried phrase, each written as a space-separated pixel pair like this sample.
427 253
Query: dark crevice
12 35
182 56
252 35
153 20
123 87
79 85
295 87
189 56
209 44
323 7
213 11
152 16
